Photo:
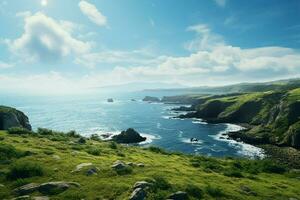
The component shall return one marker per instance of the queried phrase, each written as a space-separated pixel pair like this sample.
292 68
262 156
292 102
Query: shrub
194 191
124 171
113 145
93 151
44 131
20 182
24 170
8 152
161 183
233 172
73 134
214 191
95 137
19 131
81 140
157 150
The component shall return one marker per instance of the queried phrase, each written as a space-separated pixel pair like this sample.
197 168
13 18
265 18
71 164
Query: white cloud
4 65
92 13
221 3
47 40
205 38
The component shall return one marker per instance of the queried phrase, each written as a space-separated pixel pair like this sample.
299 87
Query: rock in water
10 117
110 100
178 196
151 99
138 194
129 136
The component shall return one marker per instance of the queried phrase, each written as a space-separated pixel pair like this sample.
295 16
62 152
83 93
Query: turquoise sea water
94 115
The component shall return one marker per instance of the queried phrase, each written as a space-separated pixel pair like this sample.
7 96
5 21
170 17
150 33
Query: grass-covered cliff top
27 157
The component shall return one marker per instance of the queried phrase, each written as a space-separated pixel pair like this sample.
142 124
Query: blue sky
68 46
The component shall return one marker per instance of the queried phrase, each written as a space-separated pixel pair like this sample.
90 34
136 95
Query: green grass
200 177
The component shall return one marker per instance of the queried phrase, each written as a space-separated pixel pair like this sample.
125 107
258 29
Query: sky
71 46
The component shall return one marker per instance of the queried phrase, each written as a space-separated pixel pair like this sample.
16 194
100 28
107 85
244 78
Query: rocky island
128 136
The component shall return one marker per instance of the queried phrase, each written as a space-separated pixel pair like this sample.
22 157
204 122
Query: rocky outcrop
178 196
10 117
128 136
45 188
151 99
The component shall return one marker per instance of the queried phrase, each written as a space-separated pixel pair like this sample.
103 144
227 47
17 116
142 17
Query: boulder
56 187
141 165
80 166
138 194
27 189
128 136
142 185
151 99
178 196
92 171
10 117
45 188
41 198
119 165
25 197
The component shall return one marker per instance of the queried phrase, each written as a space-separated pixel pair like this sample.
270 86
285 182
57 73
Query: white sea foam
242 148
198 121
188 141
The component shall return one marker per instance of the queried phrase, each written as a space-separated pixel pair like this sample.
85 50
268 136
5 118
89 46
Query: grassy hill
28 157
278 85
272 116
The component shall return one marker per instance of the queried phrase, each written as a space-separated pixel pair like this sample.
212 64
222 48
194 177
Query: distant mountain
237 88
139 86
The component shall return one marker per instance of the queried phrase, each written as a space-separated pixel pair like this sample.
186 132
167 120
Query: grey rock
178 196
142 185
92 171
27 189
141 165
81 166
131 164
41 198
53 187
138 194
25 197
119 165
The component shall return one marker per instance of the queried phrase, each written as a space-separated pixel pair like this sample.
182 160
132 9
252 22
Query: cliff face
10 117
274 117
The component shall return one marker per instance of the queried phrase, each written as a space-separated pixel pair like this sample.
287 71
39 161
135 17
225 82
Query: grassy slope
176 169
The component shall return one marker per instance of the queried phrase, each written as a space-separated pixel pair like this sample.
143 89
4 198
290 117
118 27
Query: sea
93 114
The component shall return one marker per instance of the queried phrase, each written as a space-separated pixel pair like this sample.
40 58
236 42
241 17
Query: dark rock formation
178 196
128 136
151 99
110 100
10 117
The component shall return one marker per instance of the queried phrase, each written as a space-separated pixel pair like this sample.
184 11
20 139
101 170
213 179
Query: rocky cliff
10 117
273 117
